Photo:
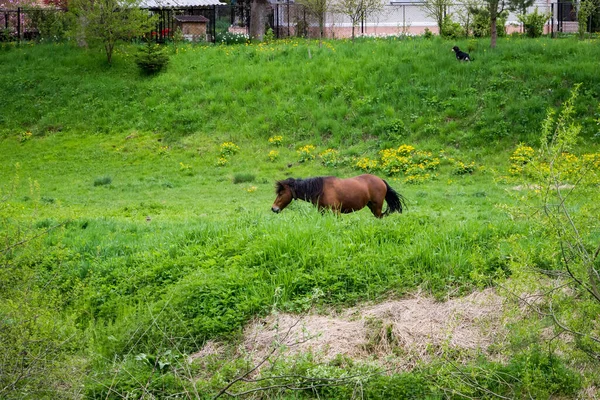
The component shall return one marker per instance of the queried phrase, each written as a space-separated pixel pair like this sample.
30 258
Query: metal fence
285 18
53 24
31 24
409 17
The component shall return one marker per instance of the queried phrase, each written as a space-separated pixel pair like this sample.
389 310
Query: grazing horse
340 195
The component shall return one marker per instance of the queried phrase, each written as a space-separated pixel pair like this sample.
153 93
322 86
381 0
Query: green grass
342 93
130 241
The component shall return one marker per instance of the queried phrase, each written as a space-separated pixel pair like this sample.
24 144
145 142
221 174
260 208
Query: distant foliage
108 22
452 29
481 22
534 22
152 58
51 25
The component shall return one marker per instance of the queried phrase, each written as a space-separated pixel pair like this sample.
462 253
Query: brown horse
340 195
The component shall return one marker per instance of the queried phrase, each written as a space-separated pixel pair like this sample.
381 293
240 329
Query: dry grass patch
400 331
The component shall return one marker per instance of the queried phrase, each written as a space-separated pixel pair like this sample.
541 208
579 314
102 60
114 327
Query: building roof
190 18
179 3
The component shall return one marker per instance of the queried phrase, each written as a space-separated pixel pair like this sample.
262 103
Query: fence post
552 20
19 24
214 25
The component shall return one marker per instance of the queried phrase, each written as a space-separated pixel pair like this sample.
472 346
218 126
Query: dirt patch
412 329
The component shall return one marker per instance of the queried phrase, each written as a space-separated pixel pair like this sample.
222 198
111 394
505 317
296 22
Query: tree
357 10
497 7
437 9
466 16
258 20
585 8
110 21
318 9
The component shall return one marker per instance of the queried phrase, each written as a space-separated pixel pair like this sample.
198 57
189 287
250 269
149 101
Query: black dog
461 55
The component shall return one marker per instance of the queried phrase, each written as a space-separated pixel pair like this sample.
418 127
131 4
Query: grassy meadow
135 211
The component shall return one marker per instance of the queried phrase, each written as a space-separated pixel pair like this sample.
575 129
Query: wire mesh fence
286 19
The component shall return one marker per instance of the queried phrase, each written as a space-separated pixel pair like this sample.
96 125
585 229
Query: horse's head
285 194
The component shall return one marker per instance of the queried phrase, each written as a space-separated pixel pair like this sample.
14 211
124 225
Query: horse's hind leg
376 208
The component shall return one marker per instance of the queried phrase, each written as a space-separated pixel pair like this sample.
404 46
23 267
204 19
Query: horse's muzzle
275 209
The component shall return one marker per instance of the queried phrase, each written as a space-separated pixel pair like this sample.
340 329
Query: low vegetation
135 221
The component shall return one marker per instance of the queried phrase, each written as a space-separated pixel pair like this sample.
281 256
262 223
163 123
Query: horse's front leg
323 209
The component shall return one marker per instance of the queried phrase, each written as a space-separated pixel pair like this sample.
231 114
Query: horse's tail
395 201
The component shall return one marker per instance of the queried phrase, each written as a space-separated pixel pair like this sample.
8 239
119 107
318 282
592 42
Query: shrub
481 22
269 36
51 26
452 29
522 156
243 177
103 181
151 58
393 130
534 22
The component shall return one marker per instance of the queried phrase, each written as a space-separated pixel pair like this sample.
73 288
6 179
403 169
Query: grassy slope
341 92
213 254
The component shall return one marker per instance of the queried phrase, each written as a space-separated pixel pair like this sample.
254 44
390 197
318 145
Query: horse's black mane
309 189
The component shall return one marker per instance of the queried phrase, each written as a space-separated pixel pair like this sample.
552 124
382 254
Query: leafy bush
481 22
534 22
452 29
392 130
52 25
152 58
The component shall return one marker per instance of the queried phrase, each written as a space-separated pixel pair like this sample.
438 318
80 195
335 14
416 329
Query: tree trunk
109 52
80 32
493 30
258 17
